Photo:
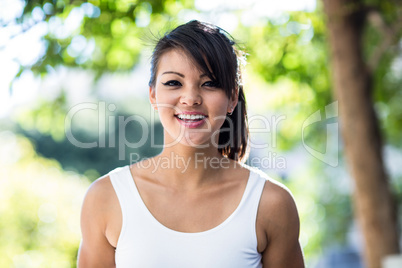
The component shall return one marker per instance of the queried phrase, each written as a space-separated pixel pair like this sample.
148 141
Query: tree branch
389 33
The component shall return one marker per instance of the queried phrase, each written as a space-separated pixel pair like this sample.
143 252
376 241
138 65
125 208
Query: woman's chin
195 143
196 140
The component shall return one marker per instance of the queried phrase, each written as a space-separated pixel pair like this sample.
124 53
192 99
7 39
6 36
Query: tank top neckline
147 212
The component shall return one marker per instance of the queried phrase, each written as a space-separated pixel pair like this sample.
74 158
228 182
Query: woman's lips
191 123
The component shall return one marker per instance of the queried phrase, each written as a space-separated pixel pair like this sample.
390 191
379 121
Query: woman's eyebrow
171 72
180 74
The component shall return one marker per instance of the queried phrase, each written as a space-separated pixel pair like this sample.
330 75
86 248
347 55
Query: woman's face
191 106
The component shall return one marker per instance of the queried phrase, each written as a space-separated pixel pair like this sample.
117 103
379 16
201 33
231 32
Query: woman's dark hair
214 51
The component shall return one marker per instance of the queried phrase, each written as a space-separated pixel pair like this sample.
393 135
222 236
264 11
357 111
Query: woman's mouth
191 120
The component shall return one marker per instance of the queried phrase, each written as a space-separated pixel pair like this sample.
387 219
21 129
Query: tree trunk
374 206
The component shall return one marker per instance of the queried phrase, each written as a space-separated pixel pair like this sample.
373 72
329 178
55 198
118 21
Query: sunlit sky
25 48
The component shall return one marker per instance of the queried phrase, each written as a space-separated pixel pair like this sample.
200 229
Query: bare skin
191 210
197 198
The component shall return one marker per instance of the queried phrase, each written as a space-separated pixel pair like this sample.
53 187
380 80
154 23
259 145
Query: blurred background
73 74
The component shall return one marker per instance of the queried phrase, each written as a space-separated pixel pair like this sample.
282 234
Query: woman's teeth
190 116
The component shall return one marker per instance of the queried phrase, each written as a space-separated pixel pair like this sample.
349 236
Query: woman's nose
191 96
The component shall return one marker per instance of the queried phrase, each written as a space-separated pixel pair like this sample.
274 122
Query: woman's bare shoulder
100 188
277 207
96 249
100 198
276 194
279 220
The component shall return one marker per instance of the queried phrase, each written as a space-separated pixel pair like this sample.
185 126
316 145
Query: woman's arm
280 219
95 250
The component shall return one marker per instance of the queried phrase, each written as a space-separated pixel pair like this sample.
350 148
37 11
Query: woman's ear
152 97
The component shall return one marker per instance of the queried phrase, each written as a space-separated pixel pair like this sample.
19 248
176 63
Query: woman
194 204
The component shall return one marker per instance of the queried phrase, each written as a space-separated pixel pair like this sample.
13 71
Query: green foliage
39 208
47 119
387 74
288 56
98 160
100 35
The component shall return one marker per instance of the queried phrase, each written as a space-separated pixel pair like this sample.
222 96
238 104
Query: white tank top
145 243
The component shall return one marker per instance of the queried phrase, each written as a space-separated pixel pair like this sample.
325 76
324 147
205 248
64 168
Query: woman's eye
172 83
214 84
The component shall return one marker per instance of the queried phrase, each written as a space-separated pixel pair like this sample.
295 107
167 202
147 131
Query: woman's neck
189 167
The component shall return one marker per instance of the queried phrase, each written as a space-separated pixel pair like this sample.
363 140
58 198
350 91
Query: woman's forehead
179 61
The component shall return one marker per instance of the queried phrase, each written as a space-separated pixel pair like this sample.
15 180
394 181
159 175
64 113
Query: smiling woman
214 212
186 95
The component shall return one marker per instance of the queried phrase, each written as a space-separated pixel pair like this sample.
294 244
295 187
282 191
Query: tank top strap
252 197
122 182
